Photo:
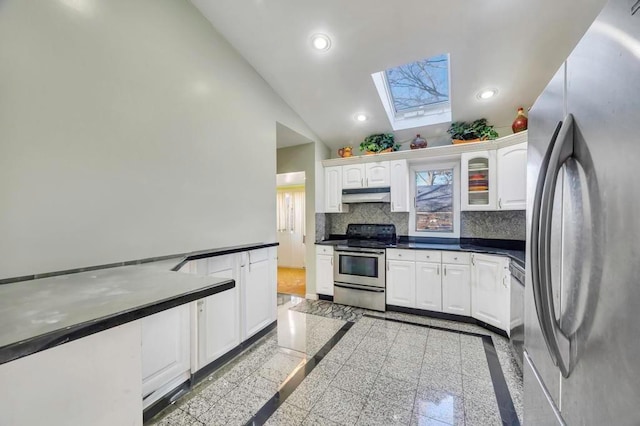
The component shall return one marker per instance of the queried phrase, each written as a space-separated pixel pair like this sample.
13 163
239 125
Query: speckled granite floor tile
445 380
309 392
217 389
244 397
400 370
226 413
195 406
367 360
287 415
354 379
418 420
178 418
315 420
409 338
260 386
340 406
439 405
476 414
398 392
382 413
407 353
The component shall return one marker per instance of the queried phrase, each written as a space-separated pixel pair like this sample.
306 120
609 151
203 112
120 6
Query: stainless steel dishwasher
517 310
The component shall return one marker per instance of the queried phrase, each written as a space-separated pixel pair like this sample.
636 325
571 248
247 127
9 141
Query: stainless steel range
359 267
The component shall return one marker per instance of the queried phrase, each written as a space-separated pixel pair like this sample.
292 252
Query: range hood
367 195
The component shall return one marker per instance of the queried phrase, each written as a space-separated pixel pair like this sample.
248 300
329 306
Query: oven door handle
355 287
362 252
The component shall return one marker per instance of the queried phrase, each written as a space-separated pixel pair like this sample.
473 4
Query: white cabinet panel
377 174
399 183
478 180
490 295
512 177
165 348
401 283
353 176
429 286
218 325
257 297
333 189
456 289
273 281
401 254
324 274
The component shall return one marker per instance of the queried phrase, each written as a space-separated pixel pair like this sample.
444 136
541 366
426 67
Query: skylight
416 94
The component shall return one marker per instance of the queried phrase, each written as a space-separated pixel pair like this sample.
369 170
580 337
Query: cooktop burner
371 235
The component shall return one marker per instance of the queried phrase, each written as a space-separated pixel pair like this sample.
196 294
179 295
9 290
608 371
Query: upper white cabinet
490 290
478 182
399 183
512 177
367 175
333 190
324 270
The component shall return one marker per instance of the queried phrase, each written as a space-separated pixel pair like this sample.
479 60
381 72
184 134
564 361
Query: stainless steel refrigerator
582 296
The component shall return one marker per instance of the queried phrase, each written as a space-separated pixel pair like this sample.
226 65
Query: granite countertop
514 250
42 313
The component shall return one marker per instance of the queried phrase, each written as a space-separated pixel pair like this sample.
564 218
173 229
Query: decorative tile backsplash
503 225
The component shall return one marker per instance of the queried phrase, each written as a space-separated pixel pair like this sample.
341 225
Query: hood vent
367 195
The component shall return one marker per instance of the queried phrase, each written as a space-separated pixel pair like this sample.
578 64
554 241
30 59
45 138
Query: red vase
520 123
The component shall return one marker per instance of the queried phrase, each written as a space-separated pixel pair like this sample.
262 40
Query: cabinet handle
445 270
438 270
473 260
201 305
331 261
362 182
504 279
500 203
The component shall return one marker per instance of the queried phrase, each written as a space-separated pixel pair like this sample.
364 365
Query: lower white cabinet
218 325
429 286
324 270
257 292
490 290
401 283
456 289
166 360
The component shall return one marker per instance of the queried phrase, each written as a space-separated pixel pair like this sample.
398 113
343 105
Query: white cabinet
401 283
399 183
166 361
324 270
273 281
456 289
333 190
478 181
218 315
429 286
377 174
257 292
512 177
490 290
367 175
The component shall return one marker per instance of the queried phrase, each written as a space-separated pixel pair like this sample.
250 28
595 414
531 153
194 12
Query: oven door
360 266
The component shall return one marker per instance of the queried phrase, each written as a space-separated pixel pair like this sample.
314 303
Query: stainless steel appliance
359 267
582 294
516 325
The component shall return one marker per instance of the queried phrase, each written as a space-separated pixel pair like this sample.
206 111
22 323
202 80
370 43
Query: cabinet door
377 174
401 283
428 286
353 176
324 274
165 350
456 289
257 297
273 281
490 295
399 183
218 325
478 181
512 177
333 189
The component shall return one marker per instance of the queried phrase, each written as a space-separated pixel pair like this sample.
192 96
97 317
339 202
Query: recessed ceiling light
487 94
361 117
321 42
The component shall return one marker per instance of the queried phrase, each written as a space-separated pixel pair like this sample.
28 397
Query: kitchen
148 133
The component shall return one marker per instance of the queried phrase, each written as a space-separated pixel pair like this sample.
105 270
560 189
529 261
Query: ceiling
512 46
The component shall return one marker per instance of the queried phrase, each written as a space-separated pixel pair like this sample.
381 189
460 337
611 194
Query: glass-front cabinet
478 186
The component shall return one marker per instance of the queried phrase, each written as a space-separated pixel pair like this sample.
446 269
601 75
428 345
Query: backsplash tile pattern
502 225
336 223
322 230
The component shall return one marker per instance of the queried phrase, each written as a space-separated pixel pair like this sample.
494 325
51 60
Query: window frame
427 166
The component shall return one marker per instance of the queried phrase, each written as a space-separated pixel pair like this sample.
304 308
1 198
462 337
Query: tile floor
383 370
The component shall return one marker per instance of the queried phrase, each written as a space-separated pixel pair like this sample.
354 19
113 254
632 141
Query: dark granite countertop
38 314
512 249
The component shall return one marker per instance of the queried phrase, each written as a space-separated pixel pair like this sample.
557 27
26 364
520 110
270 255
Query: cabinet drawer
456 257
428 256
258 255
395 254
324 249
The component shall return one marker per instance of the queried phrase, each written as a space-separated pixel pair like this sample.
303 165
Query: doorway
290 202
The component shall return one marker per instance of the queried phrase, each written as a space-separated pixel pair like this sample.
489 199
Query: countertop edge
55 338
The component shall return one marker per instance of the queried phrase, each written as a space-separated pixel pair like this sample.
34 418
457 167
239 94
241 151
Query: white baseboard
311 296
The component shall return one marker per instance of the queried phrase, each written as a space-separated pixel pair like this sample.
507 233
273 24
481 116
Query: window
436 209
416 94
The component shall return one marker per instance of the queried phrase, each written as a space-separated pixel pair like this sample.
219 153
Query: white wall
128 129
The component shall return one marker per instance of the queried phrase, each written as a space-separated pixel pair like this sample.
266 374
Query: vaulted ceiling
513 46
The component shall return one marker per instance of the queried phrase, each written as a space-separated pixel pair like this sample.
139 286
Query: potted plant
382 142
479 130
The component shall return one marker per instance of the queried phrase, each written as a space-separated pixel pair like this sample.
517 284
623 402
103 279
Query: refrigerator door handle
558 343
